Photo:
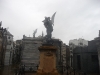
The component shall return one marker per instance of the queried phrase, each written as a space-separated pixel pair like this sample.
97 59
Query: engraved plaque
48 64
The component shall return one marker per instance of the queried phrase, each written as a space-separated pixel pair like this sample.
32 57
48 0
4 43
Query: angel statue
48 23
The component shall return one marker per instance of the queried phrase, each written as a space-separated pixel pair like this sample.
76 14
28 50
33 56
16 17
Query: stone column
47 64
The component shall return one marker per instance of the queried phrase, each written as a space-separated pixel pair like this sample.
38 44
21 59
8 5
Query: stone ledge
47 48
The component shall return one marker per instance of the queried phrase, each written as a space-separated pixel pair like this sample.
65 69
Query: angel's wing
52 18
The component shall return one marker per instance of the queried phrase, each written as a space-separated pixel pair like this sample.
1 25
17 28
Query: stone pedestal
47 64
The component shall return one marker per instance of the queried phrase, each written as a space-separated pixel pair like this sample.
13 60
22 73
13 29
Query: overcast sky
74 18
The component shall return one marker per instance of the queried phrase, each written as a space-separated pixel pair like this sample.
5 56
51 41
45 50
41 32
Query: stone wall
85 59
30 53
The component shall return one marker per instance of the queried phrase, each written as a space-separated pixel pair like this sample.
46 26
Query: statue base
39 72
47 65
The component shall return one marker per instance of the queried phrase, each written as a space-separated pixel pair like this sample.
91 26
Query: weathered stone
47 63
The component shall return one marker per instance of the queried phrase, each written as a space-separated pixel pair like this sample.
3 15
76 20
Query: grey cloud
74 19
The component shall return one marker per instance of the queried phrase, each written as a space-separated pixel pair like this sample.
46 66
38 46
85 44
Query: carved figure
48 23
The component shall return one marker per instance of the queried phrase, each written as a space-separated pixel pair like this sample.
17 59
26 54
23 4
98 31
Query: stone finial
42 34
99 33
23 36
2 28
0 23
